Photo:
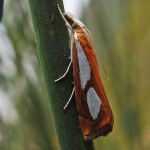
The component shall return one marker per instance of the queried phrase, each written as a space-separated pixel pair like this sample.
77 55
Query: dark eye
74 25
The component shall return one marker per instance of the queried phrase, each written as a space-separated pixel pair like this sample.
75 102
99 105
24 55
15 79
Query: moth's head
74 22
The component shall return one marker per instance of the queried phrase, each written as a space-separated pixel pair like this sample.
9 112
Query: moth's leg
65 72
71 47
70 98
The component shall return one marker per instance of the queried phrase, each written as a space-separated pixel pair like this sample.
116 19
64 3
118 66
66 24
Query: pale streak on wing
94 103
84 67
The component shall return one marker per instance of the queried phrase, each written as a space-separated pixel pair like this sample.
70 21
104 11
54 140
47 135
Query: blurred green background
121 31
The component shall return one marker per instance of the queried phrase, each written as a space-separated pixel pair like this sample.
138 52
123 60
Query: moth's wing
95 115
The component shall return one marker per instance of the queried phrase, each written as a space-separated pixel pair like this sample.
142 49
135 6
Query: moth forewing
103 123
95 115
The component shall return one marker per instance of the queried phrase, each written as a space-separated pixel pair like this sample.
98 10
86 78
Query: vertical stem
1 9
53 47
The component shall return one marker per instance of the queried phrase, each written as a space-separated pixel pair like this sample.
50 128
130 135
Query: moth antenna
89 36
67 24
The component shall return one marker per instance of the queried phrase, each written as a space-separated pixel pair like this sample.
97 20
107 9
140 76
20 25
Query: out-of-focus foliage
25 121
121 31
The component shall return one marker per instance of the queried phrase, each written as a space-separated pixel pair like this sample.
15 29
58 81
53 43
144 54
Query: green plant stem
1 9
53 47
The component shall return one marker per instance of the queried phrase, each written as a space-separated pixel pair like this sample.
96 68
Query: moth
95 115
